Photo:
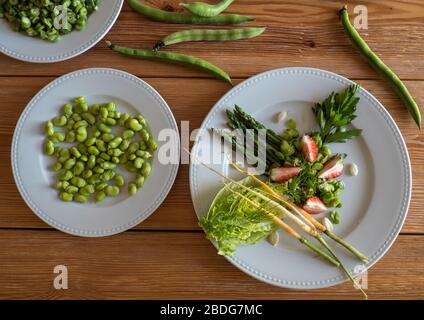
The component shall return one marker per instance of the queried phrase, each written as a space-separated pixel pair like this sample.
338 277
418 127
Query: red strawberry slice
333 168
309 148
282 174
314 205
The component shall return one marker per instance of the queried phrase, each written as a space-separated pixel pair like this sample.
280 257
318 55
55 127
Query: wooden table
167 256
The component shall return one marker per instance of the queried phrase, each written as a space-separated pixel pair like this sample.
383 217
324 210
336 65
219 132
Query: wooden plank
177 212
299 34
172 265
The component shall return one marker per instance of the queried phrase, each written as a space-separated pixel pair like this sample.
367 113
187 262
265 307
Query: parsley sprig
335 113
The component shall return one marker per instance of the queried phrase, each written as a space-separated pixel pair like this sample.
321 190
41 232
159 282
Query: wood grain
170 265
300 33
167 256
177 212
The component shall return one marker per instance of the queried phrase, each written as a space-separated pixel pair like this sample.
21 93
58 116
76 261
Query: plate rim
17 134
71 53
406 163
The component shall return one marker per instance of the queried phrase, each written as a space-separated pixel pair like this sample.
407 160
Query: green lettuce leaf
232 221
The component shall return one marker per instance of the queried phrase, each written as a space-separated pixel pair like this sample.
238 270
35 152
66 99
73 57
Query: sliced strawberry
282 174
314 205
333 168
309 148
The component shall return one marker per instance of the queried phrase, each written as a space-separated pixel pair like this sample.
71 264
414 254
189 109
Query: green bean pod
375 61
209 35
172 58
185 18
202 9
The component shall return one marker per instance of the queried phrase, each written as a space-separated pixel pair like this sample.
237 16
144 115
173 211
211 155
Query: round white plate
375 202
22 47
31 166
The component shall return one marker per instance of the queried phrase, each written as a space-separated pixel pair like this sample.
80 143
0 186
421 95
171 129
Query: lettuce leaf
232 221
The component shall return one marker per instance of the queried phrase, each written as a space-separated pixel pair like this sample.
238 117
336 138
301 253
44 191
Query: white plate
31 166
375 203
22 47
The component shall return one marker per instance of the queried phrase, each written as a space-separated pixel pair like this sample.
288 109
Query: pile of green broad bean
86 169
37 18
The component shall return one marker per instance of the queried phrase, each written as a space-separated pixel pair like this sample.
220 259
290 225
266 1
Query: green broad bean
92 150
130 167
88 189
76 117
105 156
91 163
70 137
109 121
89 118
57 151
78 182
172 57
66 175
104 128
82 148
334 217
132 157
115 152
133 147
58 137
87 173
84 158
49 128
139 180
133 124
67 109
107 137
291 124
209 35
81 123
176 17
128 134
79 168
132 189
101 186
49 147
123 119
145 135
90 141
108 165
80 198
100 196
81 134
146 169
81 107
141 119
202 9
142 145
326 151
95 109
70 124
98 169
151 144
110 106
119 180
95 178
64 155
124 145
71 189
101 145
115 160
96 132
69 164
64 196
56 166
60 121
79 100
138 163
115 143
112 191
58 185
103 112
